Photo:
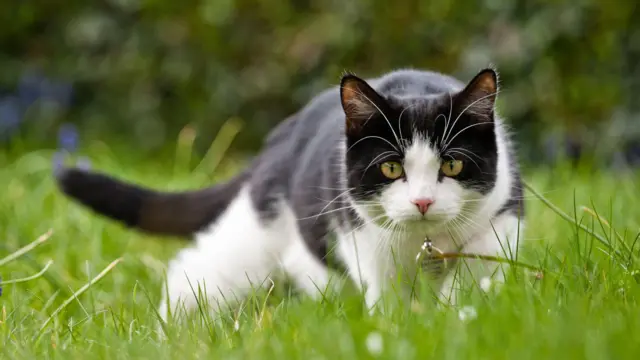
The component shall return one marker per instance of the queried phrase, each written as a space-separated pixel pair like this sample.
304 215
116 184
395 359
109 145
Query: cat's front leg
368 276
501 239
362 258
373 296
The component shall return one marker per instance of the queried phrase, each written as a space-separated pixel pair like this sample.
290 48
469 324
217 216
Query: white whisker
445 140
374 137
447 119
400 122
470 126
329 212
383 115
466 151
331 202
463 154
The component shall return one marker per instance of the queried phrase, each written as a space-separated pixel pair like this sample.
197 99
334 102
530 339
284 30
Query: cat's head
420 160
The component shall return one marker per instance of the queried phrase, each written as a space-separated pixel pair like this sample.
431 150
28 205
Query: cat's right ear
360 103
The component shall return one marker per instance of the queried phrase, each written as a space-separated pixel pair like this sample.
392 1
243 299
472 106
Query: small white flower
374 343
467 313
485 284
236 325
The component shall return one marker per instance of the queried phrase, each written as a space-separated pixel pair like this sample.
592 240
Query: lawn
585 306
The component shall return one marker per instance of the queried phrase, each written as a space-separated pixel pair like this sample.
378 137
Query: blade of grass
487 258
568 218
219 146
184 150
28 278
604 222
75 295
25 249
163 324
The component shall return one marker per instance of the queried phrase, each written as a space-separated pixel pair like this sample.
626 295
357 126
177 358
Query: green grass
585 306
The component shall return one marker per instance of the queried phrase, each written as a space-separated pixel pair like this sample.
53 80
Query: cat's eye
451 168
391 169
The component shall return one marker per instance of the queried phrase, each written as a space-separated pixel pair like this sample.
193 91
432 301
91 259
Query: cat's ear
479 97
360 102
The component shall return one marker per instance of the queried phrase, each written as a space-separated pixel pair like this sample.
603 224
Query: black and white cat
364 172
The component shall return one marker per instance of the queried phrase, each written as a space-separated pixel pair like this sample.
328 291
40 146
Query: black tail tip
103 194
69 178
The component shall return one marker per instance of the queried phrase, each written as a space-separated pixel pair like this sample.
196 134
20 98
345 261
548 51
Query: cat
364 172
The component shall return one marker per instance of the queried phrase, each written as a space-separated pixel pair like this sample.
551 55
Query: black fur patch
104 194
457 130
176 214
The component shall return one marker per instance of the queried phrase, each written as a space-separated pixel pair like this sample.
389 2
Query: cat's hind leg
236 255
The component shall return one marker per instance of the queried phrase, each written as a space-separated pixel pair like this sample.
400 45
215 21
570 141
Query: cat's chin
426 225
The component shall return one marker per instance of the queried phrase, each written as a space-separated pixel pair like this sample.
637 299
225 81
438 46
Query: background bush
138 71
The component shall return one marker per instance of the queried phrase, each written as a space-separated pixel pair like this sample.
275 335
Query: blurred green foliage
142 70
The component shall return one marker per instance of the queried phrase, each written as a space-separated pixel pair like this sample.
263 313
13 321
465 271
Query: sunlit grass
583 306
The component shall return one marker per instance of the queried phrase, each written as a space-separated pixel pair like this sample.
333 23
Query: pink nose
423 205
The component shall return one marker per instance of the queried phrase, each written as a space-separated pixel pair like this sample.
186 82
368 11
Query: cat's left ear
479 97
360 103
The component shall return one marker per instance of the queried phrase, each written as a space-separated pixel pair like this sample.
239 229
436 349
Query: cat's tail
160 213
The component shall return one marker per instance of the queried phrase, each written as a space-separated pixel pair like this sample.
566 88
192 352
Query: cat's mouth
427 224
428 219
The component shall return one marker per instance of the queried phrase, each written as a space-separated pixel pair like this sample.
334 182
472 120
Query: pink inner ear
478 98
486 83
355 100
359 102
355 106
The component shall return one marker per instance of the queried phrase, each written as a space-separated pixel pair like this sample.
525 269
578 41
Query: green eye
451 168
392 169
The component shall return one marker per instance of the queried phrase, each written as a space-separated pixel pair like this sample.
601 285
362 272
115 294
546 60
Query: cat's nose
422 204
